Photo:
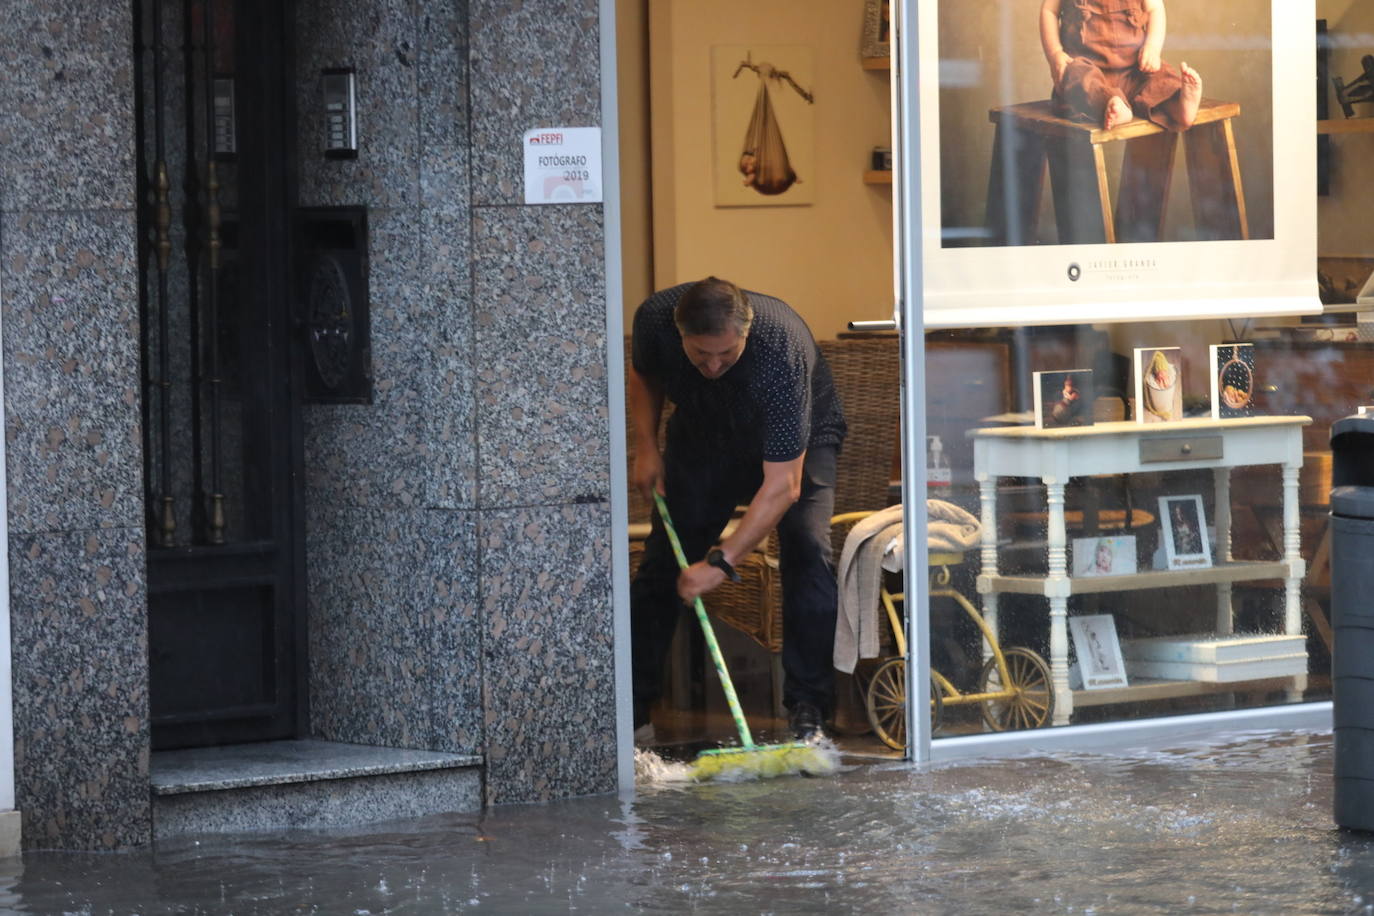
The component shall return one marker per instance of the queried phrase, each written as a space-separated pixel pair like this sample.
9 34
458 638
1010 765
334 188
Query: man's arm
780 489
646 407
1153 48
1055 55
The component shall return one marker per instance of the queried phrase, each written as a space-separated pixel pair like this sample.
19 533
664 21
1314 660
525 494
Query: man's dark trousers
703 488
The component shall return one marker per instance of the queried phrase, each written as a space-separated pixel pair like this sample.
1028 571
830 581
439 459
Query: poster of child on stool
1116 160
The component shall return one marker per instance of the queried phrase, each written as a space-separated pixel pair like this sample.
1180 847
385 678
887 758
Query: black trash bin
1352 619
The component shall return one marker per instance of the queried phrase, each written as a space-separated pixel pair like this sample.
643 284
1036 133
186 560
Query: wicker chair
868 378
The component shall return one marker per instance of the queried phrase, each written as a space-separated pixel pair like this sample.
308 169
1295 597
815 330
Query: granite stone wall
458 528
69 302
542 417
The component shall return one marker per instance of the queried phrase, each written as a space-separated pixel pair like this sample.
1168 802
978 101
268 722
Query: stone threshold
275 763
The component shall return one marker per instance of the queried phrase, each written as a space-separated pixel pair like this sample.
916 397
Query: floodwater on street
1241 825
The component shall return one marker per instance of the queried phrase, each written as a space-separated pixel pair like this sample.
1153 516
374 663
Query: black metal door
221 431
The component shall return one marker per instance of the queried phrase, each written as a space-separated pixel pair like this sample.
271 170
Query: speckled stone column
390 521
543 438
458 528
69 291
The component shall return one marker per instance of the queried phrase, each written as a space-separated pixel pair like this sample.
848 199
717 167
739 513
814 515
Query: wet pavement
1239 825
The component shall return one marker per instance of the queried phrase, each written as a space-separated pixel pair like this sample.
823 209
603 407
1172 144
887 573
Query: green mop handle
726 684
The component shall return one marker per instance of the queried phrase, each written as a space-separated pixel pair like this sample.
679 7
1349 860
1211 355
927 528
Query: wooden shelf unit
1143 690
1057 455
1220 574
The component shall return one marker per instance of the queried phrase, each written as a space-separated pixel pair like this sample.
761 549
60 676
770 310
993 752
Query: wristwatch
716 558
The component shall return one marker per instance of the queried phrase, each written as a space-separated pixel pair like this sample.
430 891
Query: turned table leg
1056 589
1222 479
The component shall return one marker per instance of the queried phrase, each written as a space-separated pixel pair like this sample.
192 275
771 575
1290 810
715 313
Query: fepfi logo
546 139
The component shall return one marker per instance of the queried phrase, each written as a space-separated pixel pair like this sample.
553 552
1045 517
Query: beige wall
636 167
831 260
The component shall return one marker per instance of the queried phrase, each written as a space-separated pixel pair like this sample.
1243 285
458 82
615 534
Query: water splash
653 770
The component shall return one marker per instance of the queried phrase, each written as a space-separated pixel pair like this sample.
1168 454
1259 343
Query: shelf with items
877 176
1059 455
1142 690
1219 574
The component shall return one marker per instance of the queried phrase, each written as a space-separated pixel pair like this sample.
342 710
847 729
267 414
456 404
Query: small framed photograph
1098 651
877 28
1064 398
1233 380
1104 556
1185 532
1158 384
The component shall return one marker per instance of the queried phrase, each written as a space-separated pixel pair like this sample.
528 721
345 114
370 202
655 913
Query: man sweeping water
756 422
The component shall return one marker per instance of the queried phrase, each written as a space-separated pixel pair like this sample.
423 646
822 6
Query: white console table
1056 455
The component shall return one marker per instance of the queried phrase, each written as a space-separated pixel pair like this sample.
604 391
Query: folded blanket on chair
875 544
860 578
949 529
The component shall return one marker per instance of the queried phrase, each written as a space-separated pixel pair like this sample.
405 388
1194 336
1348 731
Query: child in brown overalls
1104 57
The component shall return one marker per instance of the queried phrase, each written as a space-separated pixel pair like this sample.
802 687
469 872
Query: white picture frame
1098 651
877 25
981 68
1104 556
1183 526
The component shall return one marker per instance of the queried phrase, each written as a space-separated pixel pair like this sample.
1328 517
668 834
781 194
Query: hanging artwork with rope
767 91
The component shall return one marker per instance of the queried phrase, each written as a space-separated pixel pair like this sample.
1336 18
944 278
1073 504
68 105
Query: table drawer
1180 448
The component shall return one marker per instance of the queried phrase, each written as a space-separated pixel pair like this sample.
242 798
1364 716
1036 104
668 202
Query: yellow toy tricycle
1014 688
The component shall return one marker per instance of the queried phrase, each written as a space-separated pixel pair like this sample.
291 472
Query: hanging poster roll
1046 202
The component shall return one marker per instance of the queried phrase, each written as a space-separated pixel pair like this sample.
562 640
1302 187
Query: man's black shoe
806 720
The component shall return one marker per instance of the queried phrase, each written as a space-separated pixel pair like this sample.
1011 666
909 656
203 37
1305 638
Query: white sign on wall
562 165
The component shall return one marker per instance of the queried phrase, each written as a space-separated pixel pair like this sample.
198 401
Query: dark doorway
221 430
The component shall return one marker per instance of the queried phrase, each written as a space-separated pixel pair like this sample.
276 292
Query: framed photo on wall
763 122
1185 532
1048 214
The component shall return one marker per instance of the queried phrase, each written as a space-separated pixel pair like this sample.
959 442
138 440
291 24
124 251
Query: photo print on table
1233 380
1064 398
1158 384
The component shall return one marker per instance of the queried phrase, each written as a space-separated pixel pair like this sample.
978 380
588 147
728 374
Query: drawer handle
1178 448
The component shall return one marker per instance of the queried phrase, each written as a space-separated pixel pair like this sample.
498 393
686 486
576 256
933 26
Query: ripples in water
1242 826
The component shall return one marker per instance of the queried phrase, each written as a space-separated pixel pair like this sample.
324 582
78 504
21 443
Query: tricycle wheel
886 703
1031 700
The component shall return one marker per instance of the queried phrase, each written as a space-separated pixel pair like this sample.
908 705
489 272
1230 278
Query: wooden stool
1029 134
